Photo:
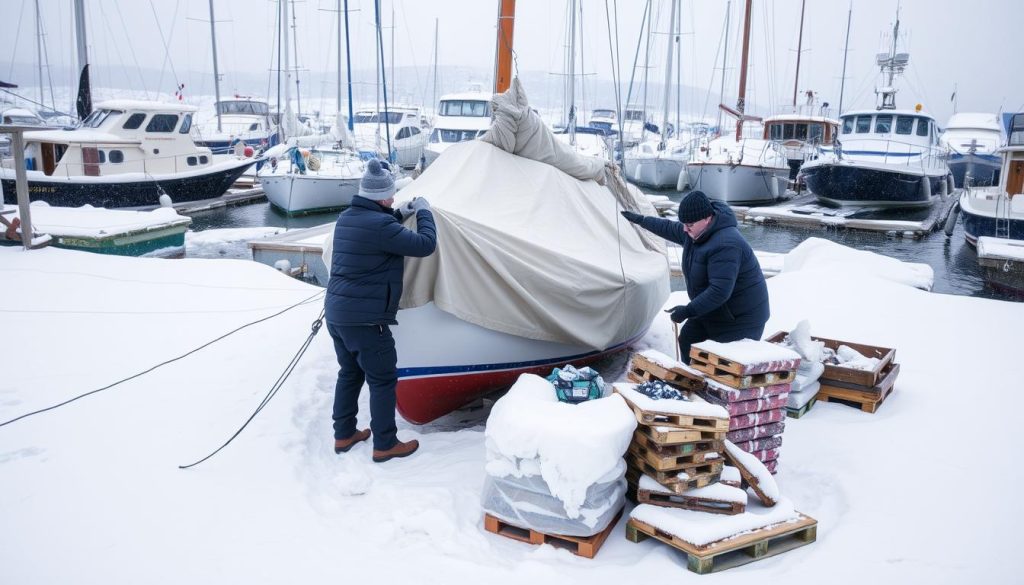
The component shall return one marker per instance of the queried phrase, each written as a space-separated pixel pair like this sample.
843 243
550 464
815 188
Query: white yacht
371 131
242 118
604 119
802 135
997 211
973 141
124 154
460 117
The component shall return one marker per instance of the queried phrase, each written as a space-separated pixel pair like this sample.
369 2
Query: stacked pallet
751 380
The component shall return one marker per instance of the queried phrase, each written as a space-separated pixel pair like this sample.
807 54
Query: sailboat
739 170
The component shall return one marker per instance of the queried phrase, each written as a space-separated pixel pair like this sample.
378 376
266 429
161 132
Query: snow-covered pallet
720 394
673 483
679 480
770 363
750 433
868 378
868 399
643 439
670 419
742 380
699 500
662 462
583 546
735 551
672 436
798 412
750 477
645 369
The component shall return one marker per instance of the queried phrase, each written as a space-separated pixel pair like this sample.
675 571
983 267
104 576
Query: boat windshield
442 135
373 117
466 108
243 107
97 118
637 115
23 120
1016 130
604 113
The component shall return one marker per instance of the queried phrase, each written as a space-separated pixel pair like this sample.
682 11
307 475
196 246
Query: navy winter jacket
723 278
370 245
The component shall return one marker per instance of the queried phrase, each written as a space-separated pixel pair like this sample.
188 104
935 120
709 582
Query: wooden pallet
832 372
674 462
668 419
677 486
849 398
732 552
673 436
583 546
740 369
689 502
868 399
644 440
742 380
699 476
642 369
749 479
799 412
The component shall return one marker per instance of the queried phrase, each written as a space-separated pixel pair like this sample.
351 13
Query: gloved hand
678 313
406 209
632 217
420 204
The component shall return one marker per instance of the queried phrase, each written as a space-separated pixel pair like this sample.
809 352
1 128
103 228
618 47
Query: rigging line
46 59
138 68
85 312
612 48
412 54
167 51
161 364
273 48
17 37
711 82
31 101
120 57
273 389
632 75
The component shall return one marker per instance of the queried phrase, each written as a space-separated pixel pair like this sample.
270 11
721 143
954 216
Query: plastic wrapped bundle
527 502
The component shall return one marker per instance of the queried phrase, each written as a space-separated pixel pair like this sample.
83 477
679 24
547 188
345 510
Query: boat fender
165 200
950 184
283 265
926 187
683 182
951 216
313 163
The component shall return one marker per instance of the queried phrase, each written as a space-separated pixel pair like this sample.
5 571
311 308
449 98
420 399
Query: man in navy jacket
728 295
367 265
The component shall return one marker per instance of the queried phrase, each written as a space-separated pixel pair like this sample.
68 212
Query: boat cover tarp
526 249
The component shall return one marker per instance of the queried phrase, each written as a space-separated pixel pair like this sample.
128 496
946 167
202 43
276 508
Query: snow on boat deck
91 492
804 211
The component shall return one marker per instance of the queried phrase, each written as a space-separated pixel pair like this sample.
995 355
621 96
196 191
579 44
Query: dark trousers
365 353
697 330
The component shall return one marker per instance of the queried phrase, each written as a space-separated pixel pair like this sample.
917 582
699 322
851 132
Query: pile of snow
823 256
96 222
752 353
667 362
571 452
700 528
716 491
763 481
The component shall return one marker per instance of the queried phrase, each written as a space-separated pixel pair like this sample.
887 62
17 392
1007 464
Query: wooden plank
885 356
689 502
742 381
583 546
677 486
885 384
674 436
750 479
645 369
669 419
741 369
697 476
850 398
673 462
736 551
644 440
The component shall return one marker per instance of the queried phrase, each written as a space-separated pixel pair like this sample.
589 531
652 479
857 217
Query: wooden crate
740 369
644 440
583 546
742 380
663 462
642 369
674 436
668 419
688 502
732 552
870 378
699 475
868 399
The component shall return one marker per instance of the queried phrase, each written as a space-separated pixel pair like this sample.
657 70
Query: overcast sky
973 49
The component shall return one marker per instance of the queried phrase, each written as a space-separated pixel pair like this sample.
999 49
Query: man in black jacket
367 266
728 295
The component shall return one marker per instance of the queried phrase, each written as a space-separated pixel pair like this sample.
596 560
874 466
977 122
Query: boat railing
149 166
896 153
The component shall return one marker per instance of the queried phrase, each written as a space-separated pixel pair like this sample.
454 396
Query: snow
572 446
824 256
91 493
731 474
715 491
749 352
700 528
797 400
696 406
989 247
667 362
765 480
96 222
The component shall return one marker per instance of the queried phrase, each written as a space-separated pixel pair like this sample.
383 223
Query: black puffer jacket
368 262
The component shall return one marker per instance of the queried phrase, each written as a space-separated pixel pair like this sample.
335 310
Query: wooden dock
233 198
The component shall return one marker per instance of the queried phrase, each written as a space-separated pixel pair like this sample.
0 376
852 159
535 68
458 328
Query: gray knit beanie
377 184
695 207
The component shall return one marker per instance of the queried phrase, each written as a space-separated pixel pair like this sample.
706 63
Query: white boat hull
739 184
656 172
294 193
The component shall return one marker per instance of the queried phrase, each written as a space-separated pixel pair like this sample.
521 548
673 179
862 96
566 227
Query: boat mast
435 68
503 51
287 64
891 64
348 72
725 55
647 66
295 40
383 80
799 51
338 85
39 51
668 76
846 50
741 100
679 71
83 104
216 71
570 117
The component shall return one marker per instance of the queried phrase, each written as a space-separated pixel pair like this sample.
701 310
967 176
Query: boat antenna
892 64
846 50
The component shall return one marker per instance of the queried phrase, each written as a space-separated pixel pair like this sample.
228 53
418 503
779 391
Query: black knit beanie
695 207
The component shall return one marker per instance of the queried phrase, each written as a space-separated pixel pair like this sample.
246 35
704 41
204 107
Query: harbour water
953 259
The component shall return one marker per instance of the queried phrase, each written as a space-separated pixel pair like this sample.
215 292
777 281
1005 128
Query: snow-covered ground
920 492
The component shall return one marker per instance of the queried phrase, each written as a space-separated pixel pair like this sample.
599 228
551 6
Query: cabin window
186 124
904 125
192 161
922 127
815 132
472 108
254 127
863 124
134 121
413 131
162 123
102 156
203 159
883 124
776 131
402 134
116 157
801 132
97 118
787 131
848 125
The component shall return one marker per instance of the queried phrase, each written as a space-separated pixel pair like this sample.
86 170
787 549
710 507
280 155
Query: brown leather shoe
399 450
343 445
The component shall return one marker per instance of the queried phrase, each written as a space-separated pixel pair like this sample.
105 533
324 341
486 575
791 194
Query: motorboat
997 210
588 141
972 140
604 119
460 117
17 117
803 133
372 129
244 120
124 154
